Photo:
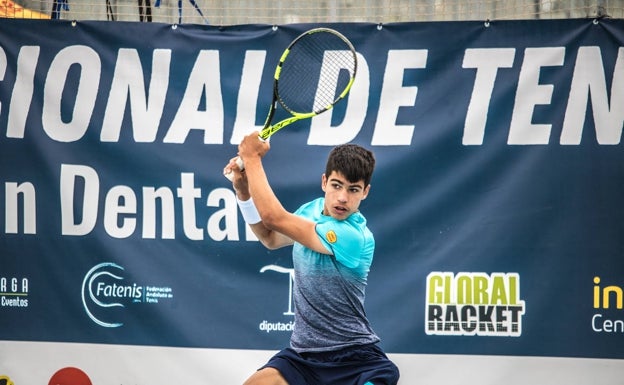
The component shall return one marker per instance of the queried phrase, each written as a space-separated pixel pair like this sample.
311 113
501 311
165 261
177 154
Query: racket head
314 73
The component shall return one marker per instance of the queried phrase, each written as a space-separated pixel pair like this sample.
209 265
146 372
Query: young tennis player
332 342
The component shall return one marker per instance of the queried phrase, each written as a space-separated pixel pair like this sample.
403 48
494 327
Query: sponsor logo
104 288
608 299
269 327
331 236
13 292
281 325
469 304
5 380
70 376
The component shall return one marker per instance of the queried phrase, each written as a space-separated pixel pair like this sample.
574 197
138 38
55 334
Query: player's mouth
340 210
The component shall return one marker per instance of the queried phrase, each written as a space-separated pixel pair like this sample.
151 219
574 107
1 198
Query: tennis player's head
346 181
354 162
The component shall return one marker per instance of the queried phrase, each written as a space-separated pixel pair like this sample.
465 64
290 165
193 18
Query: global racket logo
105 292
472 304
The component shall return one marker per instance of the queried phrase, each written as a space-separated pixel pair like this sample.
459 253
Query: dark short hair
356 163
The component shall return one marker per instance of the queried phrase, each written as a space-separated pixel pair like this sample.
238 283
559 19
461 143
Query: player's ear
366 191
323 181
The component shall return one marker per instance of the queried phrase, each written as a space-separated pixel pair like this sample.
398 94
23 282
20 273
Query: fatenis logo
105 288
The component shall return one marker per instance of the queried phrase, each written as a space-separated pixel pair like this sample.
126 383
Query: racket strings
336 78
318 69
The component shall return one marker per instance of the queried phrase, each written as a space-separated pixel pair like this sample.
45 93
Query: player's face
342 198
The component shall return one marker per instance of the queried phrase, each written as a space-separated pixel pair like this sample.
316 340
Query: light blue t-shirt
329 290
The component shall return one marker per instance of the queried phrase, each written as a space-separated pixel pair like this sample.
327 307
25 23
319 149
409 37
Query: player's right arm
271 239
275 218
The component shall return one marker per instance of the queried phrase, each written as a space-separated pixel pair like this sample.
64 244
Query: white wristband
249 211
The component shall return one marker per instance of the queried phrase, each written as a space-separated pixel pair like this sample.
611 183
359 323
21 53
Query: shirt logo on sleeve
331 236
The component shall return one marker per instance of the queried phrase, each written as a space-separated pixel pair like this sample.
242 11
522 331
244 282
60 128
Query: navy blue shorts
356 365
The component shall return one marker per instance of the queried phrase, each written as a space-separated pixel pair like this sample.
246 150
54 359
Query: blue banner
496 204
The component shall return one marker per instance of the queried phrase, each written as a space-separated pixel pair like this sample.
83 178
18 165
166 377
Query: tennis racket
314 73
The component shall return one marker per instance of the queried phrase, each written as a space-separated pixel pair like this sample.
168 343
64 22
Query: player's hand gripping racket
314 73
